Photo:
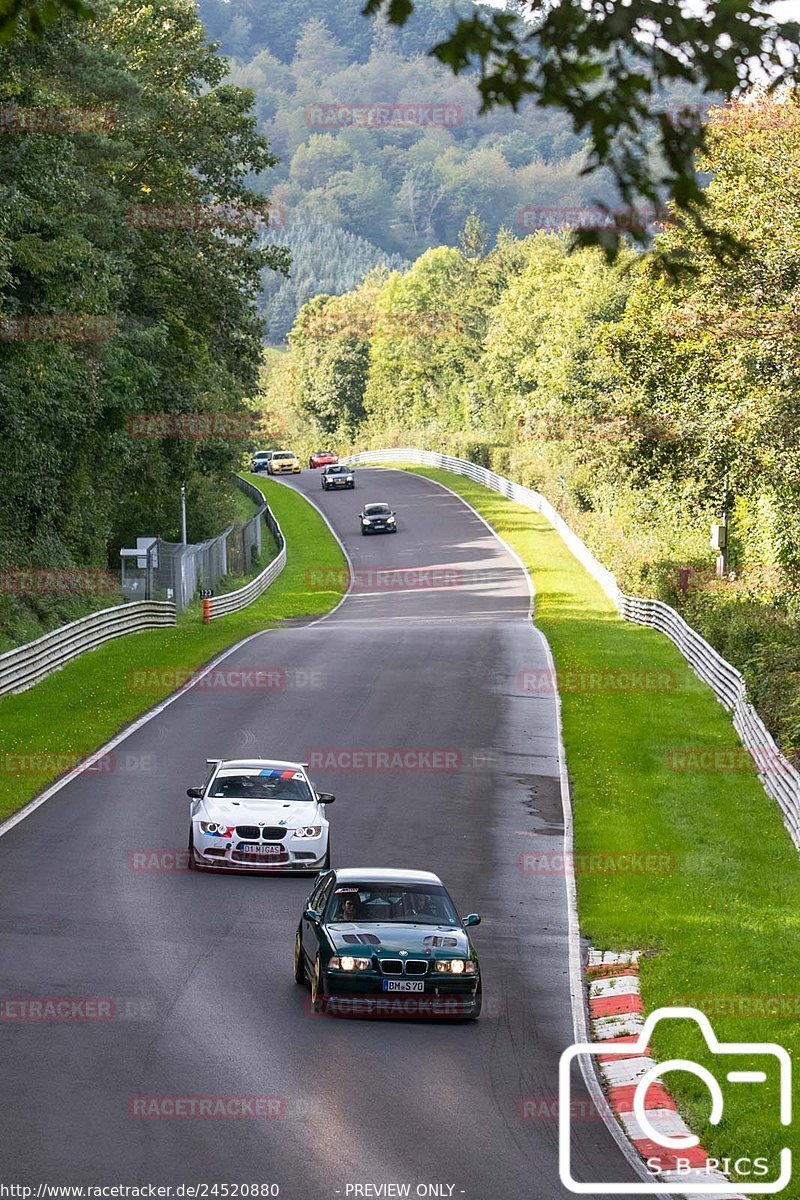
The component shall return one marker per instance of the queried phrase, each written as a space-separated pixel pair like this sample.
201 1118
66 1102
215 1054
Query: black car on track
337 477
378 518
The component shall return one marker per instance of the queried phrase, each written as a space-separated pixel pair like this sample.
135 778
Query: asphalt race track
198 967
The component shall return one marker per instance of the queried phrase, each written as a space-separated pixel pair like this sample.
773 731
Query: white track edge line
579 1022
26 810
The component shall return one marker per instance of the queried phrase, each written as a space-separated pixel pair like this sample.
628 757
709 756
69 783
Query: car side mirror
312 915
195 793
472 919
325 798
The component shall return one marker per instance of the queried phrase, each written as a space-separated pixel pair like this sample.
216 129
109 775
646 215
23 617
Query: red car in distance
322 458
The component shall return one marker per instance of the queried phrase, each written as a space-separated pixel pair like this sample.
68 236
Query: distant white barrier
780 778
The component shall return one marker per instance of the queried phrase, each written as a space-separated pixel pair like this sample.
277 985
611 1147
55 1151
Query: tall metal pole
722 559
183 514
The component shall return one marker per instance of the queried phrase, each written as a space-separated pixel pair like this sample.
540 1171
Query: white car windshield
267 785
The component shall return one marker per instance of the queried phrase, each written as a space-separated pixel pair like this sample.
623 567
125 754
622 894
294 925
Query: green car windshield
417 904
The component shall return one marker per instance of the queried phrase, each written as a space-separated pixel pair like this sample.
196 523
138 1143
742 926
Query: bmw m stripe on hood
275 774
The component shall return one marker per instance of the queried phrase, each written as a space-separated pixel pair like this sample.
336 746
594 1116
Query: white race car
258 815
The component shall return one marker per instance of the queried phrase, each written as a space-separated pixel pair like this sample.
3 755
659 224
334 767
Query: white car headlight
308 831
390 520
366 521
214 829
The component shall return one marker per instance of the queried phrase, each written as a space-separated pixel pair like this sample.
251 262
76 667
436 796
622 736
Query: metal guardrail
221 606
23 666
780 778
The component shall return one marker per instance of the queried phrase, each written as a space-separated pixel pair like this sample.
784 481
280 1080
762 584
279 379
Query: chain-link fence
159 570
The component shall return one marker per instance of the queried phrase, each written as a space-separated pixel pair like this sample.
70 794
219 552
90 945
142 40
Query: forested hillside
402 182
324 258
124 291
624 398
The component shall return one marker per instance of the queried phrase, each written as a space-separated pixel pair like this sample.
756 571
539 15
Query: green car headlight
456 966
348 963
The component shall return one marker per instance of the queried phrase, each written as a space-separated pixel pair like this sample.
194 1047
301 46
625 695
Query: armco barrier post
206 611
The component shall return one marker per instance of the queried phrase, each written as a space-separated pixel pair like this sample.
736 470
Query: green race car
381 943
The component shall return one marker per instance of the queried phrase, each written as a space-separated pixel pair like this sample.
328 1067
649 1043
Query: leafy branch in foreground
606 65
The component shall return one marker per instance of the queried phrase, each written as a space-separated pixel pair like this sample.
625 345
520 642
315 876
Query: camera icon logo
675 1141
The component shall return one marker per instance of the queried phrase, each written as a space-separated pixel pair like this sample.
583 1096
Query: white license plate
403 985
260 849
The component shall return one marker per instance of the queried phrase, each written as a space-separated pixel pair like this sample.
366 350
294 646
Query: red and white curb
616 1016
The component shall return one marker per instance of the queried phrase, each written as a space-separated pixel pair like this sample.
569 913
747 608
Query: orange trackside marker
206 611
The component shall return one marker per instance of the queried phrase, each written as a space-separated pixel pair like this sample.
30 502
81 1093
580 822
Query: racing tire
299 965
478 1004
363 533
326 866
317 988
192 866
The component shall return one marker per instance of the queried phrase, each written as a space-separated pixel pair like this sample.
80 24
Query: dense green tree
176 306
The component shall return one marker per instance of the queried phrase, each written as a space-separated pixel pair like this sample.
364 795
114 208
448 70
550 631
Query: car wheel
317 988
476 1012
299 965
327 864
192 864
363 533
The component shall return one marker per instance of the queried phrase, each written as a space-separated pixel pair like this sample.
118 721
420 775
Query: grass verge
720 916
80 707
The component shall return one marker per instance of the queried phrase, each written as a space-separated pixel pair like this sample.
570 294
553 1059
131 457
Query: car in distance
283 462
322 458
378 518
258 814
336 477
368 936
260 461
